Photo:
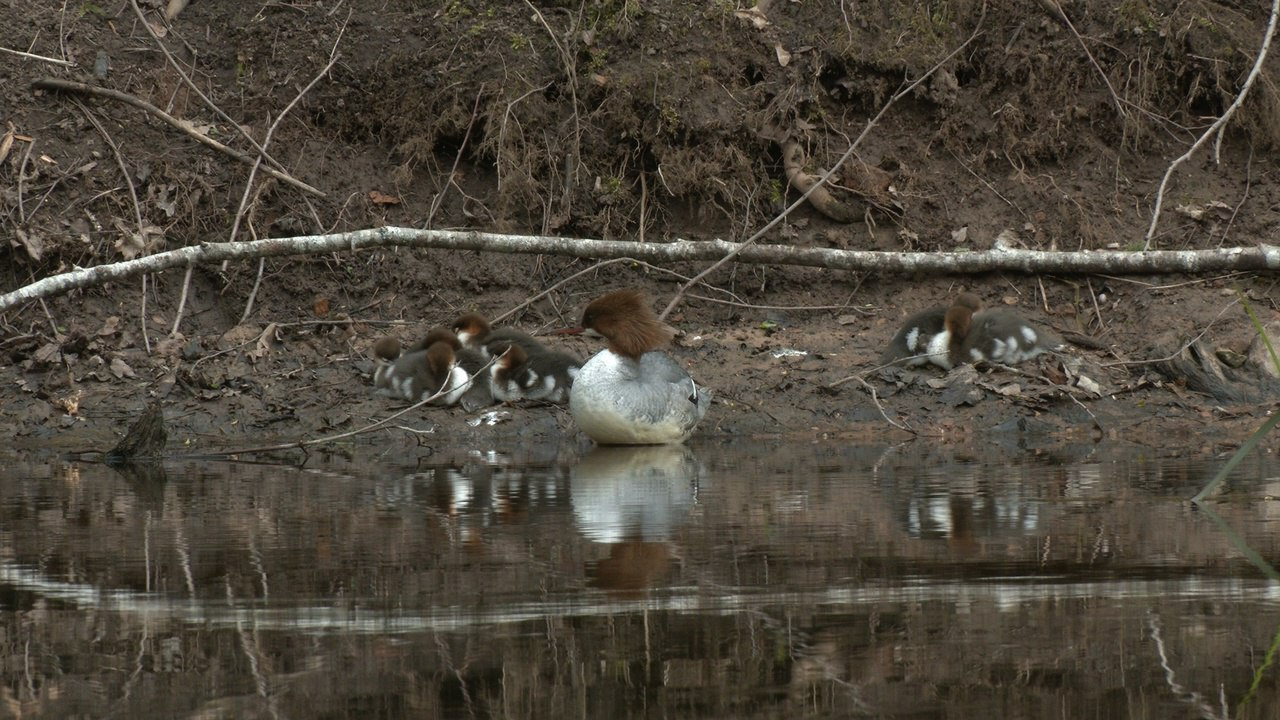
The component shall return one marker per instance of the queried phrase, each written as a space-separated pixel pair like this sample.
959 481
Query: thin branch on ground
594 267
1261 257
1248 182
783 308
1170 286
1056 7
876 399
299 444
1217 124
248 186
1182 348
56 84
826 176
186 79
457 158
137 208
1097 312
42 58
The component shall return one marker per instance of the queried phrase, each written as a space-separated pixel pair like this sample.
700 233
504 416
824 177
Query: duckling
475 333
926 338
479 393
542 375
998 335
420 374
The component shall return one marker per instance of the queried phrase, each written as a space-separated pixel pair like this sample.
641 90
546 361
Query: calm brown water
753 581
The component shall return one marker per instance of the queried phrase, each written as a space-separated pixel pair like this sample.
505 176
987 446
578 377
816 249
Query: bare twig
1248 180
876 399
297 444
47 83
137 208
248 186
1056 7
22 173
186 79
853 146
787 308
1183 347
1217 124
42 58
453 171
592 268
1096 310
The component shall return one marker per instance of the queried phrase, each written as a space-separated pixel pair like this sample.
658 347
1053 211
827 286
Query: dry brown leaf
6 143
31 242
48 353
69 404
198 129
121 369
265 342
784 57
174 7
237 336
755 16
110 327
378 197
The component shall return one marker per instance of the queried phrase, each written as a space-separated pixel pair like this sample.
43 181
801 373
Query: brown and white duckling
997 335
478 393
475 333
926 338
416 375
541 375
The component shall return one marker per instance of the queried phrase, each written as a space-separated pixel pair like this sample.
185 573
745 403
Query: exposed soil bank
628 122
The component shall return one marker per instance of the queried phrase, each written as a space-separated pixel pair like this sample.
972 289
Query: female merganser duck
475 333
629 393
419 374
543 375
926 336
997 335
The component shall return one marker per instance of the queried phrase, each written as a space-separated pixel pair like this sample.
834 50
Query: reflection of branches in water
249 646
1250 554
1260 673
255 559
1190 697
446 657
806 653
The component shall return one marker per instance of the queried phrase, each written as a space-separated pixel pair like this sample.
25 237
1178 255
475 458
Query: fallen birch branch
1113 262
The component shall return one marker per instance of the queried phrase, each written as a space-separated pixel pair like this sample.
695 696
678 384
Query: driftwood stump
144 441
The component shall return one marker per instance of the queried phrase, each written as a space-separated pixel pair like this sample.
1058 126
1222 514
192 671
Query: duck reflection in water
632 499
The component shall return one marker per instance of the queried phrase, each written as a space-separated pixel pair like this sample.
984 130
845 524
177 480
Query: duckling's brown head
444 335
471 328
387 348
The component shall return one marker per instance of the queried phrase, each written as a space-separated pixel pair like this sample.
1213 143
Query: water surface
745 581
